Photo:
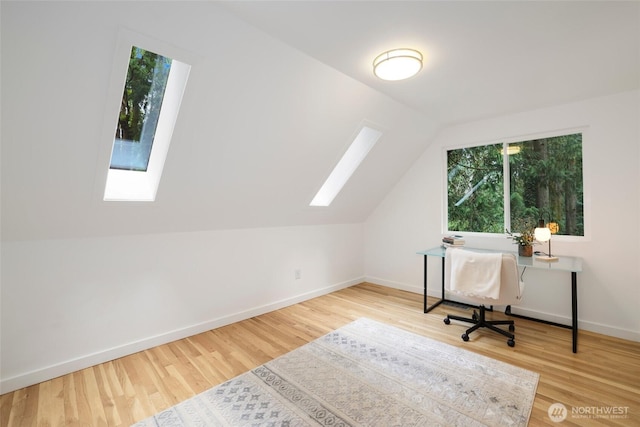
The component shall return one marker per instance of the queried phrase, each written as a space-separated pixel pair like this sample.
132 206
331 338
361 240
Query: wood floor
603 376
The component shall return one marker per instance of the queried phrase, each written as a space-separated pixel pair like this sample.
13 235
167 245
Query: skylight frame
118 185
362 144
143 185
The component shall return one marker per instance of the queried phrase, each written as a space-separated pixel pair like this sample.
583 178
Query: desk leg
437 303
425 284
443 298
574 310
574 313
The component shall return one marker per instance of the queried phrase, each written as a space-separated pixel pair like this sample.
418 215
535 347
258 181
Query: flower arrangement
525 237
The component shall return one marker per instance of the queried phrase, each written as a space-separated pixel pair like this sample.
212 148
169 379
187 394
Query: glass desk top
563 263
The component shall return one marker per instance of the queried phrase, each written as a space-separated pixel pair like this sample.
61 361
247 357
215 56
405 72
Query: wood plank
604 373
27 407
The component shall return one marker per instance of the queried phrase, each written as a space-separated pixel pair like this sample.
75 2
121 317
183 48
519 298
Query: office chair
484 279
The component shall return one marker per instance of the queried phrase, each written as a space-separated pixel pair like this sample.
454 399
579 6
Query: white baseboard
397 285
598 328
86 361
585 325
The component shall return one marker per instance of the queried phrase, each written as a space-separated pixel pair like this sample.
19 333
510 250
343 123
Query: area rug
365 374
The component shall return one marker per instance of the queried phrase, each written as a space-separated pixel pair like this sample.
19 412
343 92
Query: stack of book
452 241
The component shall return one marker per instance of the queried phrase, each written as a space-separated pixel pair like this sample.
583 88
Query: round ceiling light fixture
397 64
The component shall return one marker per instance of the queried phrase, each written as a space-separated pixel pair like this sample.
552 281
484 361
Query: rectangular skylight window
355 154
151 98
140 109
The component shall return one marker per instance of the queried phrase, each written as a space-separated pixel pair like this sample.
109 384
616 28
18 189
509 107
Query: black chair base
482 322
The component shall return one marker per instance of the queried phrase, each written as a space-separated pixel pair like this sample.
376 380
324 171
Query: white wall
84 282
69 304
411 216
260 128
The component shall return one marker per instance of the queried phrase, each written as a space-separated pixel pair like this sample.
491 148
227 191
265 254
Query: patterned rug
366 374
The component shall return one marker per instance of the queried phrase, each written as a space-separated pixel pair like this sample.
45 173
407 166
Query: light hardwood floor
605 373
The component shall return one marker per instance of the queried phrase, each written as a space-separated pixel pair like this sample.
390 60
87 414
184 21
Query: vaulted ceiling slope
483 58
276 93
260 128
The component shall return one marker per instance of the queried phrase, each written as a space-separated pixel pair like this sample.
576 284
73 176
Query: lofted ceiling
276 93
483 58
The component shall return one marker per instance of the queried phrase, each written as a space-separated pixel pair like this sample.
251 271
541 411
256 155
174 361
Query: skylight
151 98
140 109
355 154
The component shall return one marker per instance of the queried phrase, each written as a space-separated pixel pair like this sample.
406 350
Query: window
153 89
511 185
140 109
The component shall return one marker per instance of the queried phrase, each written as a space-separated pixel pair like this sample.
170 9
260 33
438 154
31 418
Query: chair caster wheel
465 337
511 343
446 320
512 328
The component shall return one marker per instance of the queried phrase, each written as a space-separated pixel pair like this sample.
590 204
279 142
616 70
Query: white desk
564 263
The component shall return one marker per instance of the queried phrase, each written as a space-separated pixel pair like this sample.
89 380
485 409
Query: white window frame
586 192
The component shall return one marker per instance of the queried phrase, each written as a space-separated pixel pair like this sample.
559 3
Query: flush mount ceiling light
397 64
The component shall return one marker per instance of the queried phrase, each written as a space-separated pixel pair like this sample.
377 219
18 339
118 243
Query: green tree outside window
545 182
142 97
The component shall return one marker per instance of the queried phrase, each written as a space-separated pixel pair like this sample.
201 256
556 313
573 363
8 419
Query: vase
525 250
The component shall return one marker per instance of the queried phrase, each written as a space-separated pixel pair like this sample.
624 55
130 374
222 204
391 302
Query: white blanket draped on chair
475 274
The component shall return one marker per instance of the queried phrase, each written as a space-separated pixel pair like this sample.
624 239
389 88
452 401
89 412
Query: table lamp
542 234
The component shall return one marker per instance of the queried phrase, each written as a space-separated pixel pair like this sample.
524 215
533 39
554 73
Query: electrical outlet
297 273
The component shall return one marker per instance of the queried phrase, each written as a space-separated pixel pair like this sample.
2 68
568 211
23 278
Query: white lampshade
542 234
397 64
